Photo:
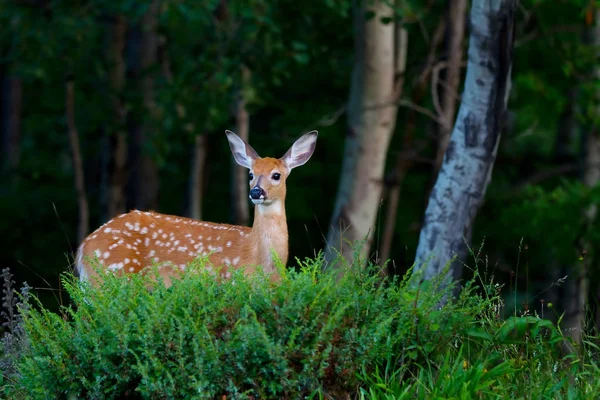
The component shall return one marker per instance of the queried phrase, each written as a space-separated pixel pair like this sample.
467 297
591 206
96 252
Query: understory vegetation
314 335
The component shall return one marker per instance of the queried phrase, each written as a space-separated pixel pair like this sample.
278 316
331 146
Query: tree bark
199 150
197 177
469 159
371 122
83 225
564 297
593 159
410 150
455 35
241 210
401 166
144 180
574 321
12 96
117 135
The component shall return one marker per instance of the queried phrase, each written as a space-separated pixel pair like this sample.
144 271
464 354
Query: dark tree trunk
143 184
410 149
565 295
83 224
12 95
452 74
241 213
197 174
117 135
469 159
401 166
590 175
199 151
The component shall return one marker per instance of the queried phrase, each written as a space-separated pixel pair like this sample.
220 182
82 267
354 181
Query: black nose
256 193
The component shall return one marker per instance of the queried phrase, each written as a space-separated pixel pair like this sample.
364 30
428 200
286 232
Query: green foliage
497 359
558 213
243 338
309 335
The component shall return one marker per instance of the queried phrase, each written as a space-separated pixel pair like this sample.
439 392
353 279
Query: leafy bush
244 338
310 335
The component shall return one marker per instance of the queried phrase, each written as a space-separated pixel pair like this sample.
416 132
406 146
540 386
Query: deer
134 242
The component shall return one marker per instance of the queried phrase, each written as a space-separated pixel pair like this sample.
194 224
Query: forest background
109 106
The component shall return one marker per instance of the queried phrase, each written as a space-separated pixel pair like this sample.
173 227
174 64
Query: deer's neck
269 233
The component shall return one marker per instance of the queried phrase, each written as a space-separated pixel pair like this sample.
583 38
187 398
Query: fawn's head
268 175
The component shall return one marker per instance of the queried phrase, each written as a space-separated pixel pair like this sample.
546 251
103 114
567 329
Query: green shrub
243 338
312 335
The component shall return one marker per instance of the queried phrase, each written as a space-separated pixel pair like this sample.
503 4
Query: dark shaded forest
111 106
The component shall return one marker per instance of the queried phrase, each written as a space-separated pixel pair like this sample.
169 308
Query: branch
542 176
328 120
435 81
420 109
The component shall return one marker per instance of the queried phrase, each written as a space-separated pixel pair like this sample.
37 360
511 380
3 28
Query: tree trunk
469 159
144 180
12 94
565 296
198 154
575 322
371 122
401 166
591 176
410 150
239 193
82 227
455 35
196 189
118 143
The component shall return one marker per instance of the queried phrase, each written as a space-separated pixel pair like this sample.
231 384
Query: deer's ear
242 152
301 150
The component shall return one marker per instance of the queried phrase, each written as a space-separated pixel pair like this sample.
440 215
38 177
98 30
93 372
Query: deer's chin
263 202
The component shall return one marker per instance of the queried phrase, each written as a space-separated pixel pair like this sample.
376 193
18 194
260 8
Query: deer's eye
250 176
276 176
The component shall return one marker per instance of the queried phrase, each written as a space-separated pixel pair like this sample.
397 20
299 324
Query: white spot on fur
116 266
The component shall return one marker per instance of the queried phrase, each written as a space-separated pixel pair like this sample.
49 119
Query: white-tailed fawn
135 241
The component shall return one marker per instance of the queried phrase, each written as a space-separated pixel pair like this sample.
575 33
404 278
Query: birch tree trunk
371 122
144 180
117 136
469 159
12 95
83 225
455 35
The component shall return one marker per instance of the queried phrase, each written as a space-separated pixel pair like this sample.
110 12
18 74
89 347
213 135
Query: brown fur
132 242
